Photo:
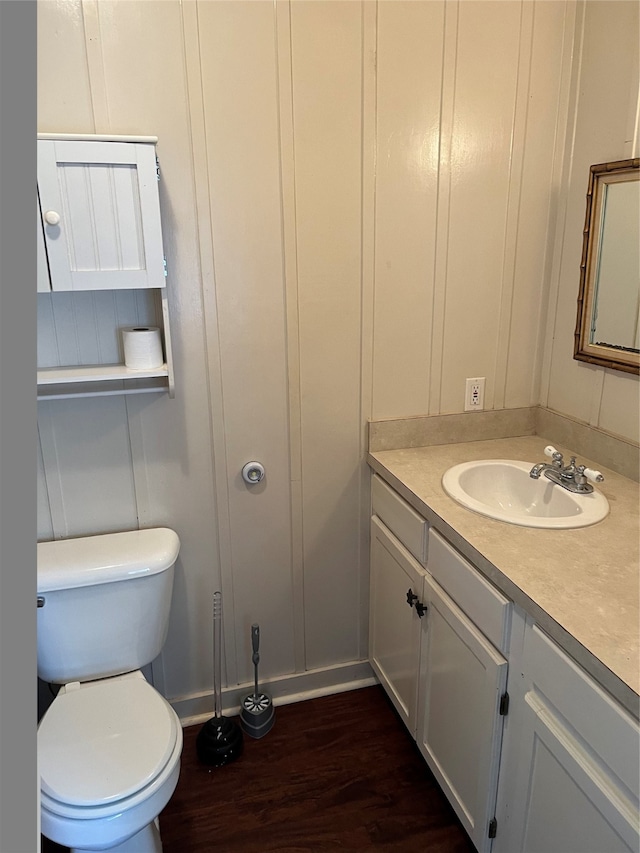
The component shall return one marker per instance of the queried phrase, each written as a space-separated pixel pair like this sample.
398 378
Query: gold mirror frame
616 357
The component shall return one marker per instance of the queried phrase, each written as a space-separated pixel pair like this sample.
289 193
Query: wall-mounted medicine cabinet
101 264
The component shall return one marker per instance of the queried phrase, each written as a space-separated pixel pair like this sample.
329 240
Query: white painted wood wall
604 111
360 201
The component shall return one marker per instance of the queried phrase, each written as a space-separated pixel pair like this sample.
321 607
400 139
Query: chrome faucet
571 477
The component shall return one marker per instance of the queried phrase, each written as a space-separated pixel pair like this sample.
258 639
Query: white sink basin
502 489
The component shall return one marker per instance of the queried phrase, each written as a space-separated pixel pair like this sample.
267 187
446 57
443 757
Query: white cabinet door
571 776
394 625
44 282
463 678
564 801
101 214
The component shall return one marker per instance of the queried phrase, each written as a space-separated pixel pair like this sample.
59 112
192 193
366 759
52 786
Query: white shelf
95 372
101 379
99 137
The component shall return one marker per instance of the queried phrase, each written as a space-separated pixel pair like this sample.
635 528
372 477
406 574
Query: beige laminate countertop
582 586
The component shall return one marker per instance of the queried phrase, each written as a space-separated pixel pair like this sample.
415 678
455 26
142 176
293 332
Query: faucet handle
594 476
553 453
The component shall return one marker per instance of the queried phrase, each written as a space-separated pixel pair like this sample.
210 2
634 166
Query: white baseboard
198 707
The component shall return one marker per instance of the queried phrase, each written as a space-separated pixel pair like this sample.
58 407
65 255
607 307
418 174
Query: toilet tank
103 603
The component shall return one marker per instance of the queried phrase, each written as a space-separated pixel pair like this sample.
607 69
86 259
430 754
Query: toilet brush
256 710
219 741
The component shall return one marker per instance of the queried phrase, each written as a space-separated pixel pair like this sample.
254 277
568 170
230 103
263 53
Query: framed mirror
608 324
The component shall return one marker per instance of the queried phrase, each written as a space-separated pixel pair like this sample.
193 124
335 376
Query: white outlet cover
474 394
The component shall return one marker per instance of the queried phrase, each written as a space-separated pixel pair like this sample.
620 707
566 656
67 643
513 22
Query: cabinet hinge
164 264
504 704
157 168
493 828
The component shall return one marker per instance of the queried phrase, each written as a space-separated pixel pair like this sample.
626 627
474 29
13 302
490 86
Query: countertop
581 586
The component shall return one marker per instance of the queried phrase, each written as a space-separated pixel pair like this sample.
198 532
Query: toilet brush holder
256 710
219 741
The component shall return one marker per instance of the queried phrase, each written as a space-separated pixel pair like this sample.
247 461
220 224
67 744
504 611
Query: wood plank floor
336 773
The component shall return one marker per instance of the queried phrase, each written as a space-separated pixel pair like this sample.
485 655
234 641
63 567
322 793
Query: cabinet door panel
460 729
567 802
106 196
394 629
594 715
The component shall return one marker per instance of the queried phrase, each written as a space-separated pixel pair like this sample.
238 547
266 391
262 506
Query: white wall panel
287 159
477 301
483 116
240 97
64 95
619 409
409 82
545 107
327 98
87 458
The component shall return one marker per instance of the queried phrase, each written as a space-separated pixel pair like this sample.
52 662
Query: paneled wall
359 208
469 105
604 109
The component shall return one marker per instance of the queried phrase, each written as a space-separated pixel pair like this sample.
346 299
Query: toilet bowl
109 745
109 756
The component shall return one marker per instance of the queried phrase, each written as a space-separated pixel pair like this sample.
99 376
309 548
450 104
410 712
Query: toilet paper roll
142 347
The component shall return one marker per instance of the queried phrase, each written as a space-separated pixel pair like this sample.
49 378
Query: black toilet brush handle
255 645
217 654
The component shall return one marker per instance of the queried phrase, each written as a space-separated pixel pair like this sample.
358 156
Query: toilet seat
104 746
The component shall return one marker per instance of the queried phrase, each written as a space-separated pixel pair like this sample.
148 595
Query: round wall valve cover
252 473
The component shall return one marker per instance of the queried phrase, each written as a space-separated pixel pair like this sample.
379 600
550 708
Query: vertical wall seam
564 144
95 66
374 200
367 289
635 137
51 465
55 330
94 314
213 366
46 481
138 455
443 207
514 201
288 217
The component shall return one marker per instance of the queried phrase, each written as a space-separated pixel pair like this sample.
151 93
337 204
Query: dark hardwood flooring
336 773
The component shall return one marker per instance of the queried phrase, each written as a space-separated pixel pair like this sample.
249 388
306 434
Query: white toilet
109 745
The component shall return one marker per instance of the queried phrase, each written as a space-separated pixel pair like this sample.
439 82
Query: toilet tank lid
108 557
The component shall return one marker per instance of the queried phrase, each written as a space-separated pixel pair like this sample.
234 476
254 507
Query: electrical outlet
474 395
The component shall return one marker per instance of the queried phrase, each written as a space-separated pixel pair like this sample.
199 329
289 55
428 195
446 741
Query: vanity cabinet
443 674
101 264
570 778
533 755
